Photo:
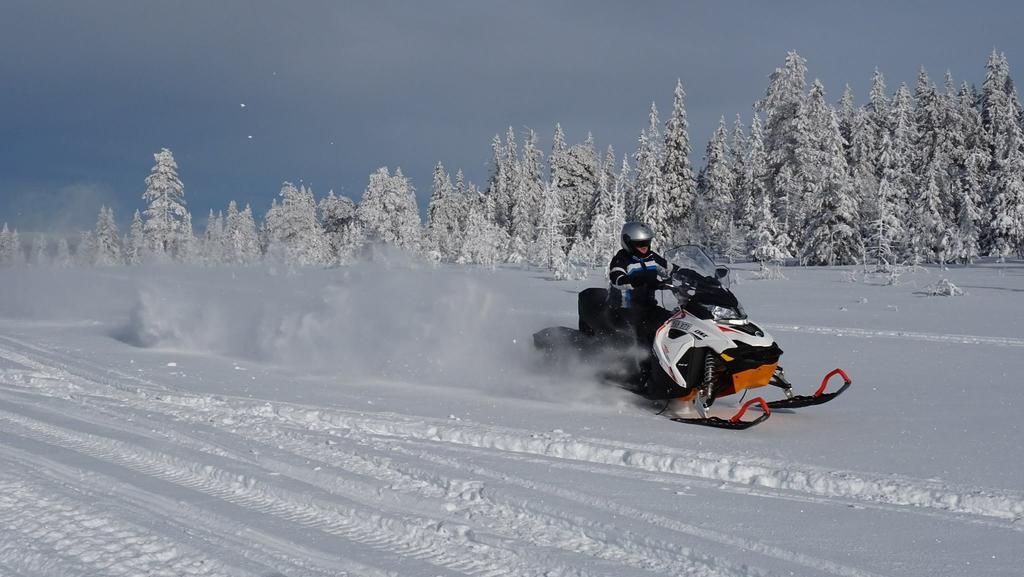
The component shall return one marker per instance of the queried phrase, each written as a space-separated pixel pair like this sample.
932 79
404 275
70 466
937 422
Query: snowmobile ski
735 422
819 396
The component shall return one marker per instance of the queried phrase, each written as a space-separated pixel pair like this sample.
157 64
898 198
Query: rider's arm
617 272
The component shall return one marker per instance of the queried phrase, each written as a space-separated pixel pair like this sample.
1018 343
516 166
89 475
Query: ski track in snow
338 473
909 335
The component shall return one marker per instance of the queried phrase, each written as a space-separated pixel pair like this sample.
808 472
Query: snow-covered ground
393 420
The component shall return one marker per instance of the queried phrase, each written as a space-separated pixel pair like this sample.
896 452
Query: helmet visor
641 243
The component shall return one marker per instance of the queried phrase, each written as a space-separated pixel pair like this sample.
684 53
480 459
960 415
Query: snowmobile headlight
720 313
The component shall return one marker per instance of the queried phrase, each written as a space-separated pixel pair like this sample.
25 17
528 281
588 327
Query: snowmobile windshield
712 296
692 257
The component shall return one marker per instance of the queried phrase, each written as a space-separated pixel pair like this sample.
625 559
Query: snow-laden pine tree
579 187
189 250
766 241
549 249
756 178
341 227
483 239
886 230
239 238
521 232
934 145
782 106
930 239
62 258
1007 227
743 201
1001 120
165 214
624 189
647 179
598 247
862 161
904 181
832 215
532 178
879 115
714 193
678 185
443 226
557 159
650 182
85 251
9 246
292 229
388 210
107 250
135 242
213 239
38 255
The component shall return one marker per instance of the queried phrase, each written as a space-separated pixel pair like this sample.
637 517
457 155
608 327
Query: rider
635 273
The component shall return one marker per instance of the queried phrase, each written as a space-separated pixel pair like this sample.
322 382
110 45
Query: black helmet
634 235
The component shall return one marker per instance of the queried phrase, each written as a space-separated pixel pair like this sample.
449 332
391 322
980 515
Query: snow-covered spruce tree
213 239
38 255
714 193
624 189
549 249
934 147
930 239
521 232
85 251
650 182
557 159
341 227
833 218
743 201
387 211
878 113
1001 112
999 109
135 243
782 108
970 161
756 179
166 212
189 250
483 239
442 219
902 177
862 161
240 240
647 178
532 178
1007 227
887 230
765 238
578 188
678 185
62 258
970 213
597 248
9 246
107 250
292 228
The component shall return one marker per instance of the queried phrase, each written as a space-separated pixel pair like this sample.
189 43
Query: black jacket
634 279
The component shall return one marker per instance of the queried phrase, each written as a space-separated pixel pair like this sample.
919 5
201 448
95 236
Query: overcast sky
333 90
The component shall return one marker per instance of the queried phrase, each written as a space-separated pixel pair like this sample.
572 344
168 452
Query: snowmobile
706 349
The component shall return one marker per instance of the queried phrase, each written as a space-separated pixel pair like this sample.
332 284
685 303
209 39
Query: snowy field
393 420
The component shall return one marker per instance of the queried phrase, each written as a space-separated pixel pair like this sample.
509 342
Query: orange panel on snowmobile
751 378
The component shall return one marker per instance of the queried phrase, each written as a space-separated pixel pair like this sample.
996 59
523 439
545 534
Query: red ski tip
758 400
824 382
